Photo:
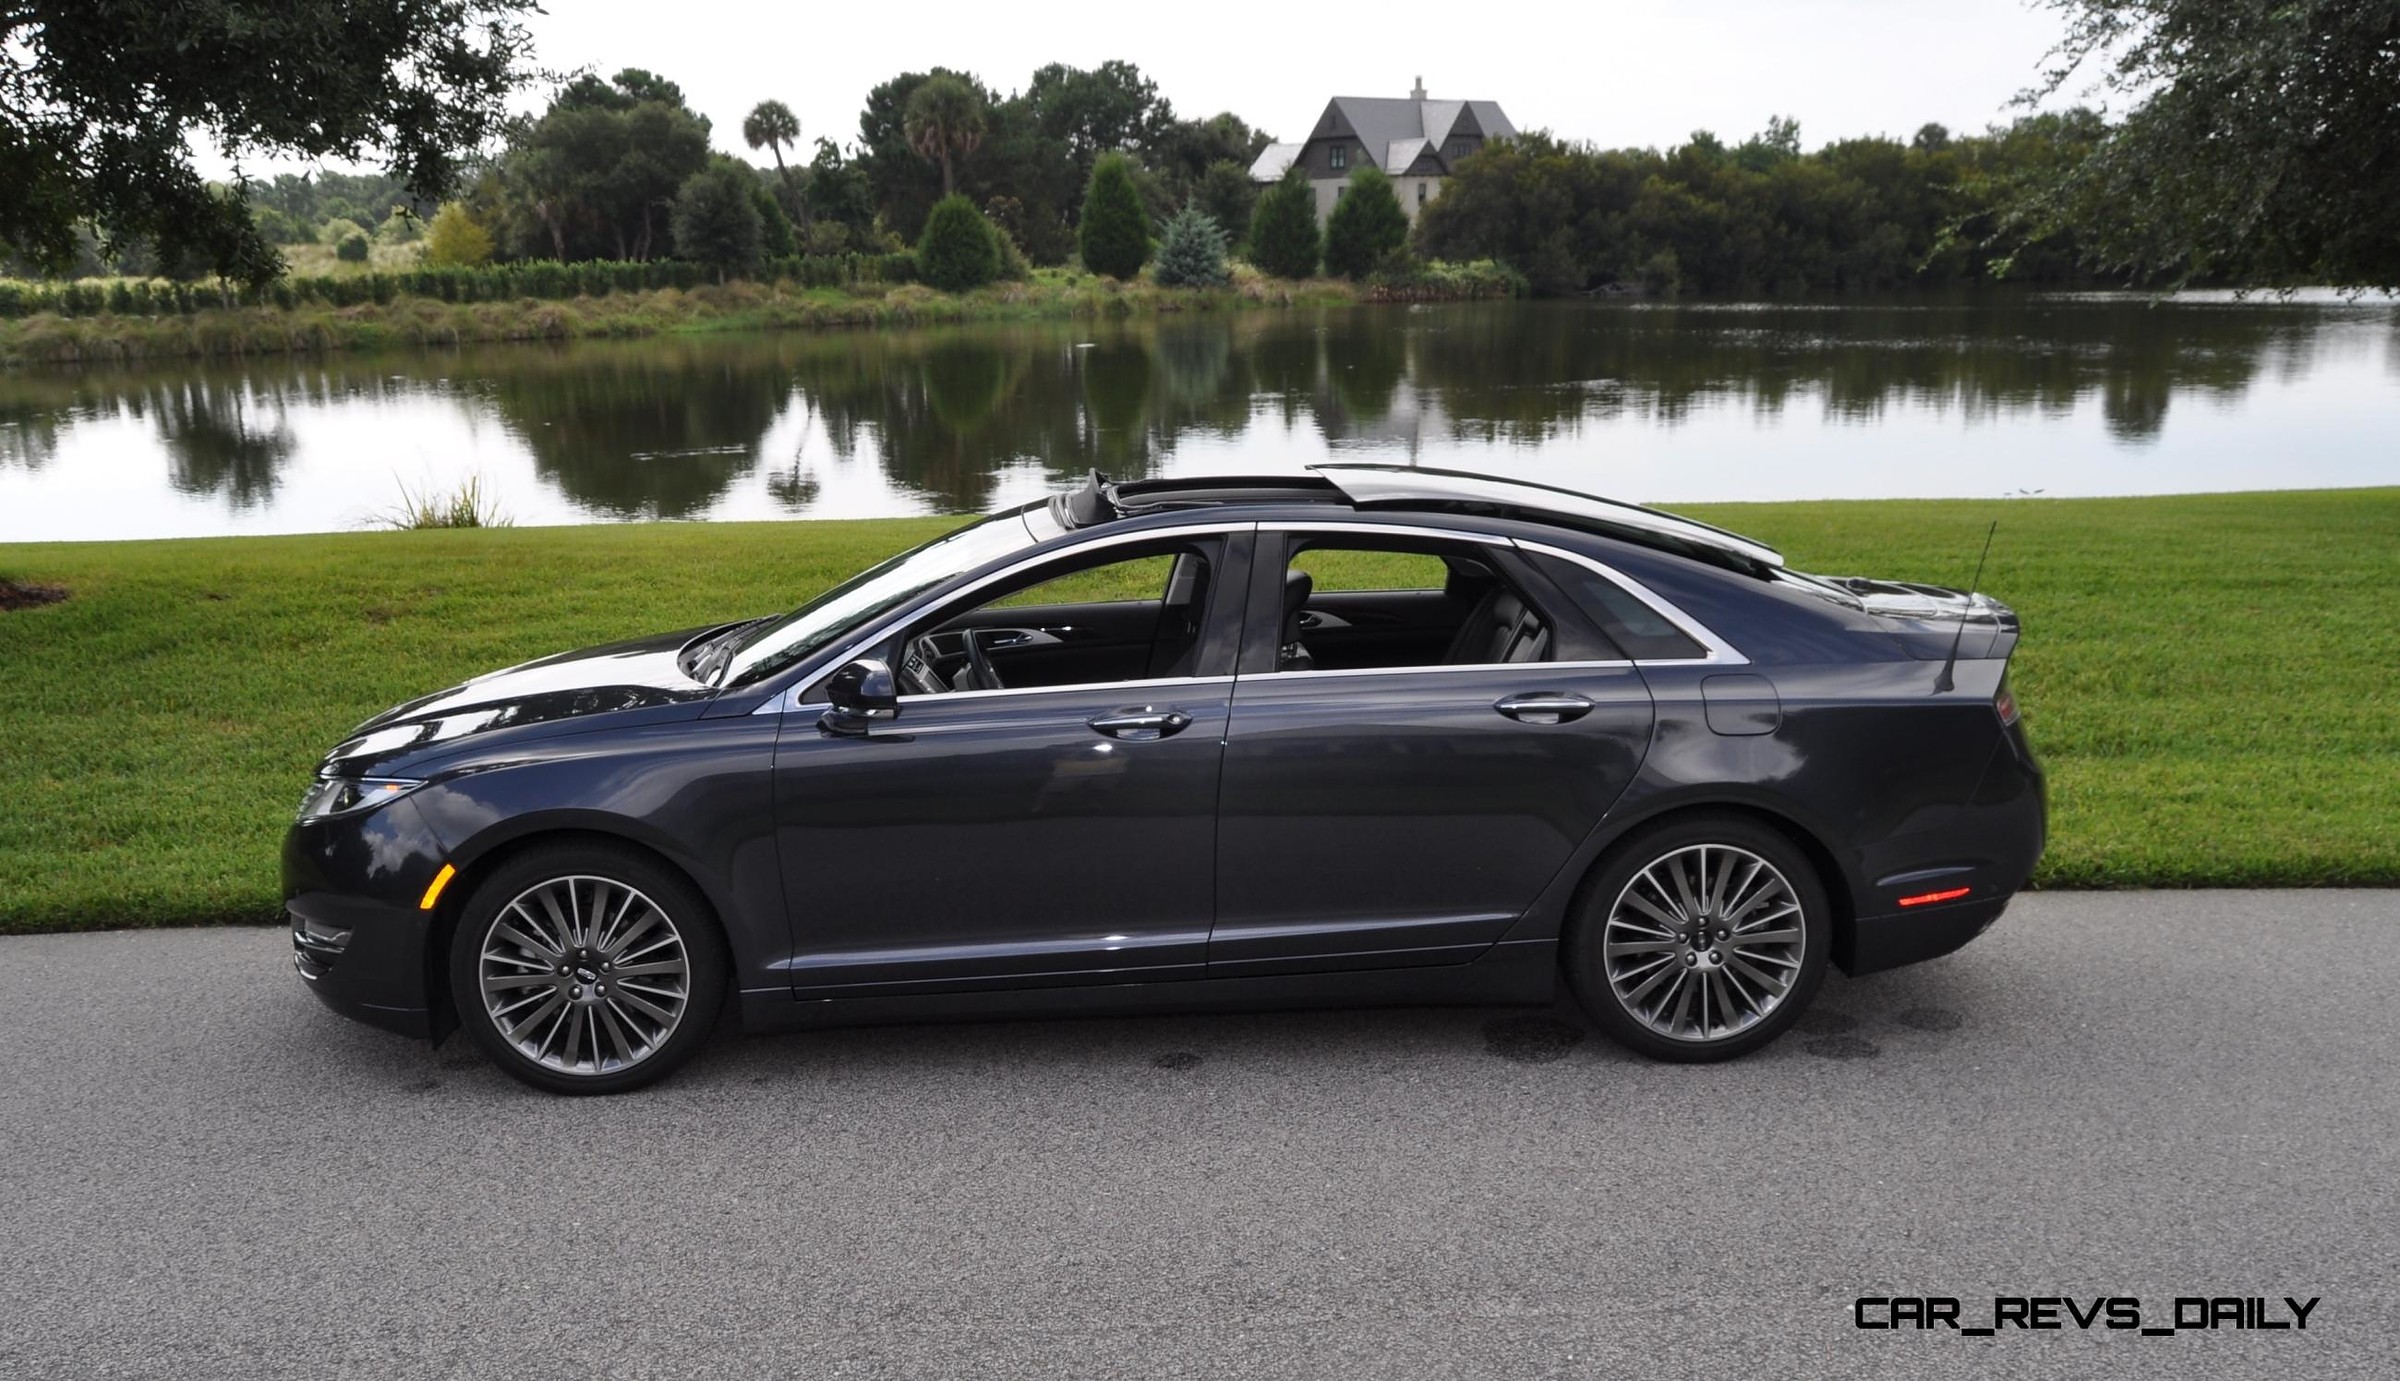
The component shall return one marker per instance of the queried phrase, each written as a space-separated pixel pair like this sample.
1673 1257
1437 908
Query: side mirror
862 693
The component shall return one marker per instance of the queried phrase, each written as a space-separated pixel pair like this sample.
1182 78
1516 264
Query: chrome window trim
789 701
1518 667
1719 651
939 697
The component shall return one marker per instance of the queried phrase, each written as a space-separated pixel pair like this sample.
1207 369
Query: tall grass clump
465 506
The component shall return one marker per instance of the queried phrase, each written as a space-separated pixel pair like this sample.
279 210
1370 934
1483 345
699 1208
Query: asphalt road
203 1173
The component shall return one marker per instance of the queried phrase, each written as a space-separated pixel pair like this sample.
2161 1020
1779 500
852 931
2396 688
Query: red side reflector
1928 898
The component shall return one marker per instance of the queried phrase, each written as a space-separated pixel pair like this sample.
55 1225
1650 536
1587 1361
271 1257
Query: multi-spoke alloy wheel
586 971
585 975
1704 943
1700 940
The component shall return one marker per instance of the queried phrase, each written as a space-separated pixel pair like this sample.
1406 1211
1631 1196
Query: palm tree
770 125
945 117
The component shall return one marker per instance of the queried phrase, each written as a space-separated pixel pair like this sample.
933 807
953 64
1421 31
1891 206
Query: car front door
1409 812
1059 827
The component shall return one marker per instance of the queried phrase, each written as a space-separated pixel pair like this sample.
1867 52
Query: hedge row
540 278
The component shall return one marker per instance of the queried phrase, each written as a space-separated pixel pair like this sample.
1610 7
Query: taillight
2005 704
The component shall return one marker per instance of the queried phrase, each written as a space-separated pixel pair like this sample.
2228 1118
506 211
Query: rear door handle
1549 707
1141 726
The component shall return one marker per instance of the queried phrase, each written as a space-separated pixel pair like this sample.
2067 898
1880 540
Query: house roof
1272 160
1400 128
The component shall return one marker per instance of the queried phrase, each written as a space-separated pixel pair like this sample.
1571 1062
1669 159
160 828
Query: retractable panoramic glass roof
1367 486
1401 486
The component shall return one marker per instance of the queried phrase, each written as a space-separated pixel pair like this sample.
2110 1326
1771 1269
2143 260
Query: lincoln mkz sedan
1367 735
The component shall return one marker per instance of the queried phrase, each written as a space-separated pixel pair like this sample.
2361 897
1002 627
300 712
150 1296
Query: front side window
1130 613
869 595
1362 603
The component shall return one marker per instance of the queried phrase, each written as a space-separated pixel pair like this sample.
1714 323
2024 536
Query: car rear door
1408 814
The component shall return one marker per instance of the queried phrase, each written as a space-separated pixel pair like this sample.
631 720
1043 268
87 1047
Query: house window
1422 192
1338 156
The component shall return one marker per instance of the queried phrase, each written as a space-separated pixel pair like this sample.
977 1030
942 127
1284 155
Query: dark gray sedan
1373 734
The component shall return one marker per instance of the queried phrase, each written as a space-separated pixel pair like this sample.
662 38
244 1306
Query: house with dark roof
1415 139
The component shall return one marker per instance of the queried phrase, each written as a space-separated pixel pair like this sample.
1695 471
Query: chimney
1419 93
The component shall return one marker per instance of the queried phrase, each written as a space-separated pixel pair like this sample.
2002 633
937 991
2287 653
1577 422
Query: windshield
772 646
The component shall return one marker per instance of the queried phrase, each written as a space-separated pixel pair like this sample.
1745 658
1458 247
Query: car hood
591 681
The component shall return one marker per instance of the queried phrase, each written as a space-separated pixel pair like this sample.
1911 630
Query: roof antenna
1945 681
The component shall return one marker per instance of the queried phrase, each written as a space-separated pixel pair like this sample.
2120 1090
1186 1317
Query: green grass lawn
2209 679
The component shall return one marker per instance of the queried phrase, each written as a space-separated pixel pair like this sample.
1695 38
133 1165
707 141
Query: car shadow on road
1903 1015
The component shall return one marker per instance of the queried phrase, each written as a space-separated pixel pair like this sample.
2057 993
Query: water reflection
1665 401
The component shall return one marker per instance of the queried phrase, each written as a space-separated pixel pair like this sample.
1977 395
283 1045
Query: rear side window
1335 569
1642 631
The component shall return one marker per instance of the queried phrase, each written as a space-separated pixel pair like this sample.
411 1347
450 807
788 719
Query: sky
1616 74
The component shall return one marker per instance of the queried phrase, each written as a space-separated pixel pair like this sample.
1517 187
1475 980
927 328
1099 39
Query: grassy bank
49 338
2208 678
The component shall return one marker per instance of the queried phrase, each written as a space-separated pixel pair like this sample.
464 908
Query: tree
100 105
1226 193
1187 152
1367 224
1284 239
456 239
591 177
959 249
1110 107
770 125
1115 234
715 222
2262 144
353 248
945 119
1191 254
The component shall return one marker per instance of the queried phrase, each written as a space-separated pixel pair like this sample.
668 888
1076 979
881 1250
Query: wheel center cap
584 973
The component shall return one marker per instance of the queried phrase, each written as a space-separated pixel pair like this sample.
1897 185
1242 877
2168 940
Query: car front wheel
1701 940
580 969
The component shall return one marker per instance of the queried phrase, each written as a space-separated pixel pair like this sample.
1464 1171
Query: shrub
1366 224
1283 230
777 239
1115 237
1014 266
456 239
959 249
715 222
400 228
353 248
1192 252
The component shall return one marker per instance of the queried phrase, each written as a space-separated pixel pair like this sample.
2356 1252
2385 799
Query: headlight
328 796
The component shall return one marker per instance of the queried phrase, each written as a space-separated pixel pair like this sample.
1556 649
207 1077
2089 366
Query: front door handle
1141 726
1547 707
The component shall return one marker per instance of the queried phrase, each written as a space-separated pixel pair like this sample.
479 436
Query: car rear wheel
581 969
1701 940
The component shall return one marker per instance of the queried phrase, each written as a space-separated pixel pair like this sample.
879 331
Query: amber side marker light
1921 899
442 880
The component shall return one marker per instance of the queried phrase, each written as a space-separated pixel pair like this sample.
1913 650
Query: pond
1660 403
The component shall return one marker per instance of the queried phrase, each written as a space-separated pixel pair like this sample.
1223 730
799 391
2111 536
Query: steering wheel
980 675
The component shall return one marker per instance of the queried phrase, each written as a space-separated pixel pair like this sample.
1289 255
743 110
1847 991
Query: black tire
603 1038
1630 993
